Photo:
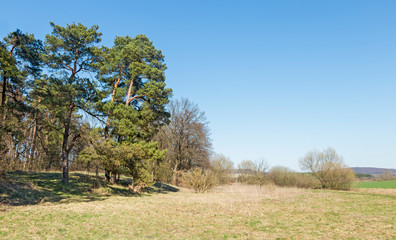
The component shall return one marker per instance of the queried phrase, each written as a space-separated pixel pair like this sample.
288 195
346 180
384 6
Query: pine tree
20 64
71 53
133 75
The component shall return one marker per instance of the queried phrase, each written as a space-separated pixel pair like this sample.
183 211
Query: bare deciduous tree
329 168
186 137
222 168
253 172
386 175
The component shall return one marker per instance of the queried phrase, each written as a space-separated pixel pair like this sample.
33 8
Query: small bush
253 172
338 178
138 187
163 172
221 167
200 180
284 177
254 179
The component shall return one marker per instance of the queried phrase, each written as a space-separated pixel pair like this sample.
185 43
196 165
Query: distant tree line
326 169
68 102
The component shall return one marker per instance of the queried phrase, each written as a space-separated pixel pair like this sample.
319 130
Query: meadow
89 210
380 184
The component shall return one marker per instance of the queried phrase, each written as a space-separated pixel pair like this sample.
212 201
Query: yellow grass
234 211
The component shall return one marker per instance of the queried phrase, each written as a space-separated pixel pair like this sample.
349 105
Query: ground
227 212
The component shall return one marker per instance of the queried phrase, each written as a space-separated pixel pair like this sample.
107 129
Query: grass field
227 212
380 184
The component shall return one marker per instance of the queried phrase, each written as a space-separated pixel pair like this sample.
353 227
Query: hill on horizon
371 170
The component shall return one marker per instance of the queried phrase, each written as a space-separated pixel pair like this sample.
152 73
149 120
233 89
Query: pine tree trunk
65 150
33 149
107 175
2 103
110 112
3 93
113 178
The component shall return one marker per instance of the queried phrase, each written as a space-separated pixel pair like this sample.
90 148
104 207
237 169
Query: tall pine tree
20 63
71 54
133 76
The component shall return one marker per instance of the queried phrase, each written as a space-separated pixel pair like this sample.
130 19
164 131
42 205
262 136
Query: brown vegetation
284 177
329 168
200 180
253 172
186 139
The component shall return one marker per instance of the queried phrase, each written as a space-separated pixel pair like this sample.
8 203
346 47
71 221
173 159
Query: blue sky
275 78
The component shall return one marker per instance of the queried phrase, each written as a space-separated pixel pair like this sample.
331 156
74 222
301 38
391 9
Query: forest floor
38 206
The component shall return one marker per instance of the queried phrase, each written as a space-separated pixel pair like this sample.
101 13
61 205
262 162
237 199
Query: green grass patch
380 184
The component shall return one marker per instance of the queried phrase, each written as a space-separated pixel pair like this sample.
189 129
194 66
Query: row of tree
326 169
69 102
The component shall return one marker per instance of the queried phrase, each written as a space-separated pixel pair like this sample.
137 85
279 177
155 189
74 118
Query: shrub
200 180
163 172
245 169
336 176
253 172
284 177
221 167
328 167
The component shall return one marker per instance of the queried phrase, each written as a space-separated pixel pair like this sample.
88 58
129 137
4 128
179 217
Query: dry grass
234 211
376 191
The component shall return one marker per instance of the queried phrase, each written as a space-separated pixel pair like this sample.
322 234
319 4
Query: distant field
227 212
380 184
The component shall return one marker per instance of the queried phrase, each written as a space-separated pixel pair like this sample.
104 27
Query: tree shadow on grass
156 188
31 188
164 188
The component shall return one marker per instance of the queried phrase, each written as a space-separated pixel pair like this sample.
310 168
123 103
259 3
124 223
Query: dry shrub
221 167
200 180
284 177
254 179
253 172
178 179
335 176
329 168
139 187
136 188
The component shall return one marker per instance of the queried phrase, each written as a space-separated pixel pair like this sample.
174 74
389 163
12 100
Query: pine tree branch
73 141
139 97
96 116
71 69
